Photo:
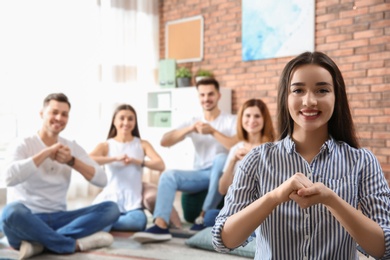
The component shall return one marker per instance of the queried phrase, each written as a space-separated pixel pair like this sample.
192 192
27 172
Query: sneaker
199 224
153 234
181 232
28 249
199 220
96 240
197 227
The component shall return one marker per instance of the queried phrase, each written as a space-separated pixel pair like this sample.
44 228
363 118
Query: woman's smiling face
311 98
252 120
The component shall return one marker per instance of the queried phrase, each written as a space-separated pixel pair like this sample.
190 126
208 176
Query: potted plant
183 77
202 73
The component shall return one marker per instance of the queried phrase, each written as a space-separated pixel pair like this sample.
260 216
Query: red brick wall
358 39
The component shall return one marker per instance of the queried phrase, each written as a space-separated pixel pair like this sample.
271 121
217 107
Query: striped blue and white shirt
290 232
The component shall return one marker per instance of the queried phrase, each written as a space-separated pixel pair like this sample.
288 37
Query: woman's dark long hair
112 132
340 125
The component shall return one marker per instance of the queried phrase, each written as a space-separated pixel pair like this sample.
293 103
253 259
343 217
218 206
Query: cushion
203 238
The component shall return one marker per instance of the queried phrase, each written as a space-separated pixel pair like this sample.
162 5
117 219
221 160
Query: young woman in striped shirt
314 194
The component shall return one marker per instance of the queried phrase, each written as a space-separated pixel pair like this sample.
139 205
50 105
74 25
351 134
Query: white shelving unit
166 109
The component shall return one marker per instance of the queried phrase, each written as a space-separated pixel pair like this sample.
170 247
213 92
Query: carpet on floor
124 247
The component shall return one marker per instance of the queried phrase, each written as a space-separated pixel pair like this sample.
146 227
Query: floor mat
124 247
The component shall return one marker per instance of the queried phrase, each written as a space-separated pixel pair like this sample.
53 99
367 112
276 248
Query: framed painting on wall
277 28
184 39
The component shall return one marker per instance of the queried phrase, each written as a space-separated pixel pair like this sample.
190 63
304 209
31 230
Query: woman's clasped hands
303 191
124 159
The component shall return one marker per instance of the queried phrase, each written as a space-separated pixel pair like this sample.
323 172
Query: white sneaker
28 250
97 240
199 220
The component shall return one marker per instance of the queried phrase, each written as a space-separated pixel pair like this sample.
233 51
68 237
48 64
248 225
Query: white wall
50 46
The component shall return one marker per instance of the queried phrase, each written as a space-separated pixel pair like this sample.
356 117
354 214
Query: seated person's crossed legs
191 181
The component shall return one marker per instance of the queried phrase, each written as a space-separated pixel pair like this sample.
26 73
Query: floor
126 248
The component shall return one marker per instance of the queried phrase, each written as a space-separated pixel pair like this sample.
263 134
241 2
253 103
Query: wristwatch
71 162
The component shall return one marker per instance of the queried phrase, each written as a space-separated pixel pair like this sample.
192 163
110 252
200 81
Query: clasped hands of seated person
125 159
303 191
203 128
60 153
240 153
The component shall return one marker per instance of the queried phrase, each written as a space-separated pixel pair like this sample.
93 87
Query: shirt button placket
307 235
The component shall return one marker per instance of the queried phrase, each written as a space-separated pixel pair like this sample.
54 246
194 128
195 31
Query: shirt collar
328 146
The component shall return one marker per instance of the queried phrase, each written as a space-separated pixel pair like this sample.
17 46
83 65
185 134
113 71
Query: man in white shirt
37 175
212 134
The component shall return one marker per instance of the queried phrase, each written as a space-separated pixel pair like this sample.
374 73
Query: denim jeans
57 231
189 181
133 220
209 217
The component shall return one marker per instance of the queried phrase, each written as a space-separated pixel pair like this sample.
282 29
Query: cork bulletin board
184 39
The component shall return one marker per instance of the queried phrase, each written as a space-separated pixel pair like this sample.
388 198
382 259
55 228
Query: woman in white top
254 127
123 155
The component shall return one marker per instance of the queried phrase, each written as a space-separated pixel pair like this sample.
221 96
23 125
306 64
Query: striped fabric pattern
313 233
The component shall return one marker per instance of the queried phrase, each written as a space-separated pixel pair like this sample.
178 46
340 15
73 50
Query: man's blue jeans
56 231
189 181
133 220
209 217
